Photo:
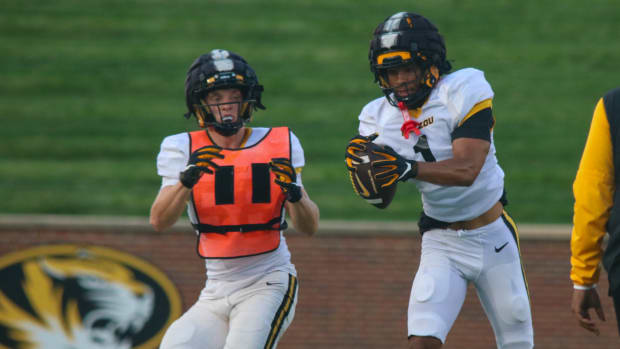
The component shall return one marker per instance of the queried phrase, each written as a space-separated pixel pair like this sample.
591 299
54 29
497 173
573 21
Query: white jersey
172 160
448 104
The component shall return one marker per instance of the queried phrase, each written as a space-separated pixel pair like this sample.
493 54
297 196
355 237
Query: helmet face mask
405 39
220 70
222 119
400 82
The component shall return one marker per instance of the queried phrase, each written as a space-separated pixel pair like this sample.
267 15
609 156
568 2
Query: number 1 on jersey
422 147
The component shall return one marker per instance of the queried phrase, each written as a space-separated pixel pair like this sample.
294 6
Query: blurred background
88 90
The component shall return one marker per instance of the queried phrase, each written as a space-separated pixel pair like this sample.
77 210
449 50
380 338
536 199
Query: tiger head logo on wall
67 296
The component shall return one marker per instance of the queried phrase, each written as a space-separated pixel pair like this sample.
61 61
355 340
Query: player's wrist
187 183
584 287
410 172
190 176
293 193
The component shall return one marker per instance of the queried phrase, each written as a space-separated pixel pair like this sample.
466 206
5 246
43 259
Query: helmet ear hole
383 81
432 76
245 111
200 115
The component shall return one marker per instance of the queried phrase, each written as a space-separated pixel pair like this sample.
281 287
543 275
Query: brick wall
354 290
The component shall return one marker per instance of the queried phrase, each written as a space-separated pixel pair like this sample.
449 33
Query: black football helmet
221 69
408 38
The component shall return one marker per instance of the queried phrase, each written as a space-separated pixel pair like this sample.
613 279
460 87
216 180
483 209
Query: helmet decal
223 64
393 22
389 40
219 54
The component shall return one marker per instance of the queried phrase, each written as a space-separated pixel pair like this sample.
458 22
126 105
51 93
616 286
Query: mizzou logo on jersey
426 122
67 296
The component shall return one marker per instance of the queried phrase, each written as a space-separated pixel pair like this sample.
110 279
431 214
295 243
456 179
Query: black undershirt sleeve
477 126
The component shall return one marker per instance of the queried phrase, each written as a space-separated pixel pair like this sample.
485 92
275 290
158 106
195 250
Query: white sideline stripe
123 224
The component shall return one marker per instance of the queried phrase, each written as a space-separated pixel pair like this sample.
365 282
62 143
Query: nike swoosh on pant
497 249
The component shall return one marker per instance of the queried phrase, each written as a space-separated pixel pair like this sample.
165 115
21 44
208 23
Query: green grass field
90 88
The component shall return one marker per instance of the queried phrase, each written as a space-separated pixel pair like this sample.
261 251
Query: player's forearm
304 214
451 172
168 206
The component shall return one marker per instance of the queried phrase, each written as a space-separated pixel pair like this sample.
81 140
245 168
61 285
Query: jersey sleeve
172 158
477 124
468 92
593 191
368 122
297 156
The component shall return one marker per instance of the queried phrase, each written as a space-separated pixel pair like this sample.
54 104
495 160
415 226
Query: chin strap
409 125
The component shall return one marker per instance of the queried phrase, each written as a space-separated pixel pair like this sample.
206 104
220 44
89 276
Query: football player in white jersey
237 183
437 131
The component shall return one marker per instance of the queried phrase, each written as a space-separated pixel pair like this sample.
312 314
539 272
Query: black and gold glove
286 178
392 167
200 162
356 144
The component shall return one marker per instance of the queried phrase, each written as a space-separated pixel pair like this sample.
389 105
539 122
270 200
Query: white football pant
252 317
488 257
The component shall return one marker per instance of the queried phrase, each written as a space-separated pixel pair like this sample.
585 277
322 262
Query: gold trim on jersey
487 103
246 136
415 113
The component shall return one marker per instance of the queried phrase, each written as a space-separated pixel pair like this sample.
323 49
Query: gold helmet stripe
402 54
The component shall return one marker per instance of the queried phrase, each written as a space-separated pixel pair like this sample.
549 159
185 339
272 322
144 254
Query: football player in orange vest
237 183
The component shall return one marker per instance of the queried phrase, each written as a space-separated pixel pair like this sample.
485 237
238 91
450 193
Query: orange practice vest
239 207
